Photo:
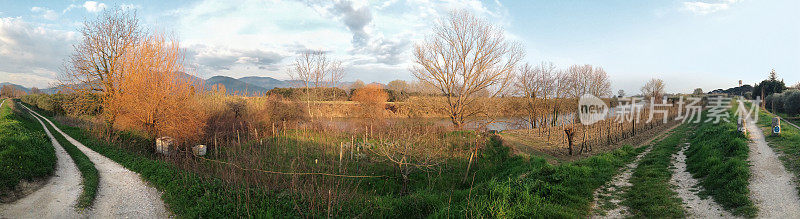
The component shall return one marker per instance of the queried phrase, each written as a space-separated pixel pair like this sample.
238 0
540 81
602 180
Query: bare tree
585 79
397 85
653 89
535 83
313 69
94 66
465 55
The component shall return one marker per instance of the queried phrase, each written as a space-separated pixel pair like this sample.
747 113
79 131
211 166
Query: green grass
718 156
89 175
787 144
561 191
25 151
651 194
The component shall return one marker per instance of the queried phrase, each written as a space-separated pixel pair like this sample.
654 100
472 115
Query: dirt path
57 198
121 193
687 188
771 186
608 197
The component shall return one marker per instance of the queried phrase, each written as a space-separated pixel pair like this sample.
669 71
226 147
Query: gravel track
57 198
613 189
771 186
121 192
687 186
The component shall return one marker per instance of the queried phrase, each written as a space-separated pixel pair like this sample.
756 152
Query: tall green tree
769 86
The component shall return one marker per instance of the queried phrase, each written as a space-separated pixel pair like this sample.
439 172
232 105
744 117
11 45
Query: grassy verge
25 151
718 156
787 144
651 194
89 175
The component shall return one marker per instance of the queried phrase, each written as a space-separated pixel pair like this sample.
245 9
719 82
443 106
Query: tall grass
718 156
25 151
651 194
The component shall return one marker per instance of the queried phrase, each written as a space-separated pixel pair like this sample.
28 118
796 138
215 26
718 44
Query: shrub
372 100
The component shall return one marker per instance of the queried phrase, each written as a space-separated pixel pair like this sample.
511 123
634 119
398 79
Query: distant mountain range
51 90
246 85
249 85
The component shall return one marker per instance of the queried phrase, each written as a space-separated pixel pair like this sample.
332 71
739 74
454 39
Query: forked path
55 199
686 187
121 193
771 186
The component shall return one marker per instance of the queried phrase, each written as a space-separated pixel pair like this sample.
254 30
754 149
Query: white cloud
126 7
93 6
69 8
45 13
704 8
244 38
31 48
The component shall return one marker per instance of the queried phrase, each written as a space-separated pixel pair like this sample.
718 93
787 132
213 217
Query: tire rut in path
772 188
121 193
613 190
686 186
58 197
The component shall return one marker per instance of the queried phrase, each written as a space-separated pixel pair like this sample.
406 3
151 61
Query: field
268 117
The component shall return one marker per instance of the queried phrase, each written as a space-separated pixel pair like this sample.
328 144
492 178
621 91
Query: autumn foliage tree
372 99
466 56
158 95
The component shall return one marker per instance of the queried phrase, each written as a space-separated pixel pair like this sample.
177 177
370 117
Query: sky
706 44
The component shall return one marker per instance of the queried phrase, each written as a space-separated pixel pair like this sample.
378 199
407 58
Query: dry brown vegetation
372 100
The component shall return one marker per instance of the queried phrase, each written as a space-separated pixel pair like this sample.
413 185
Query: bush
319 94
787 102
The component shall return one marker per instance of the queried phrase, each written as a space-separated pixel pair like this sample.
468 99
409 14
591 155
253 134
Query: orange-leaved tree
159 97
372 99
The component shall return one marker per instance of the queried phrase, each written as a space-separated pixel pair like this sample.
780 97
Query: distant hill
233 85
265 82
250 85
16 86
734 90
